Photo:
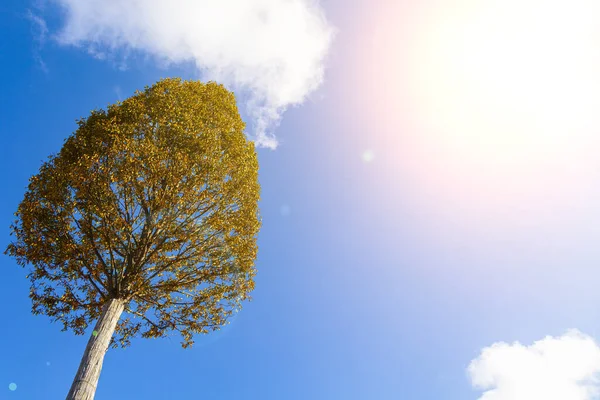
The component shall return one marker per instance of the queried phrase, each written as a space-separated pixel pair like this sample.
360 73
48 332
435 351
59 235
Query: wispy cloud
118 92
272 50
554 368
39 30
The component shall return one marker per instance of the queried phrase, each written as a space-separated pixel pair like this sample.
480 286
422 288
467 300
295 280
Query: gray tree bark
86 379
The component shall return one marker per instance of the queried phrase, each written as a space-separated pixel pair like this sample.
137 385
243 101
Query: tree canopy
153 201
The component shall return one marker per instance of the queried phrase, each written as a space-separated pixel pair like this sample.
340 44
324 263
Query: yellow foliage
153 200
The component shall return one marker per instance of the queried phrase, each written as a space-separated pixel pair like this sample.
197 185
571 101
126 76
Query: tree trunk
86 379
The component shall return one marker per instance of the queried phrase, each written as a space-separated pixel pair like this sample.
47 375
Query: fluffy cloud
273 50
554 368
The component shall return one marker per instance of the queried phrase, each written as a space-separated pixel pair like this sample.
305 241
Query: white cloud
39 31
273 50
554 368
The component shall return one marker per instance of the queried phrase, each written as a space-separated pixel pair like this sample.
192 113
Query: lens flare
488 108
509 82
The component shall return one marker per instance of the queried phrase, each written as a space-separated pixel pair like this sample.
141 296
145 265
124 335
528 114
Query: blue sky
393 251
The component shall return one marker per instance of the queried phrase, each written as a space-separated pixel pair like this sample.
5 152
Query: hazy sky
430 192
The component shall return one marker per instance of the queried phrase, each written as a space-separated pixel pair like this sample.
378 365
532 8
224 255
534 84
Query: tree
150 212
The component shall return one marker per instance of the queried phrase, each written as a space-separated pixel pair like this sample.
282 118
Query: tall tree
145 221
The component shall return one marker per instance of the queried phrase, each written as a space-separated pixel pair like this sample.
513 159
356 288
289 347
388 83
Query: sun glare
510 81
488 106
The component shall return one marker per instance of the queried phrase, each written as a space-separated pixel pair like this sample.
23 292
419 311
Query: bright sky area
430 192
